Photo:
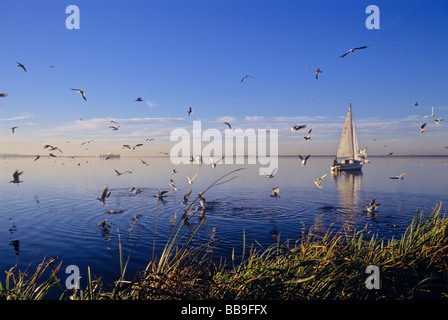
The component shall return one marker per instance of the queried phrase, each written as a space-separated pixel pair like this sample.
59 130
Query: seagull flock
114 126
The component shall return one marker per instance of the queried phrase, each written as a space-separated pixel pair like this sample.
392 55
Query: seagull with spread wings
318 71
52 148
399 177
372 206
81 92
270 175
16 177
132 148
422 128
185 200
296 127
161 194
245 77
352 50
213 163
318 181
308 137
21 66
104 195
173 185
275 192
144 162
190 181
304 159
430 115
111 121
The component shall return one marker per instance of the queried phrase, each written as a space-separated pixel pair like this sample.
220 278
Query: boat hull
351 165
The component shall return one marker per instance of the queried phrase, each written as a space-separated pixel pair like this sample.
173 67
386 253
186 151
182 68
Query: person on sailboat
335 161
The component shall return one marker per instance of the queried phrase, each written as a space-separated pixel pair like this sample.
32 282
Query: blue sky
176 54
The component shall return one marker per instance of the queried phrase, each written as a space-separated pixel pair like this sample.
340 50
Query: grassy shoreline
328 267
316 268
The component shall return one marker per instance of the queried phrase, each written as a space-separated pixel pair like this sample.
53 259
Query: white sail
348 145
346 149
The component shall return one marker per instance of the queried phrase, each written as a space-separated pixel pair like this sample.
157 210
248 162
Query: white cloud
254 118
26 116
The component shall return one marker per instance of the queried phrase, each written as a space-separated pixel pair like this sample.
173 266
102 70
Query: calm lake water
54 212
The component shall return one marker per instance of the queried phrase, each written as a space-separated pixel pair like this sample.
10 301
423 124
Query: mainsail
348 145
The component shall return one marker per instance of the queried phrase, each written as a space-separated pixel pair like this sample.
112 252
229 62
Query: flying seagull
150 139
352 50
173 184
213 163
318 181
144 162
422 128
304 159
275 192
190 111
185 200
118 172
296 127
430 115
317 73
308 137
13 128
132 148
372 206
190 181
164 153
21 66
415 104
114 128
437 120
16 177
228 124
81 92
201 200
245 77
37 158
271 175
3 95
86 142
173 171
161 194
104 196
52 148
135 190
111 121
139 99
399 177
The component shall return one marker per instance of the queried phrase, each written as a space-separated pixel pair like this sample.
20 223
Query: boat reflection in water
349 188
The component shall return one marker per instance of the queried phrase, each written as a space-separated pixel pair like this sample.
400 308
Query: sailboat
348 150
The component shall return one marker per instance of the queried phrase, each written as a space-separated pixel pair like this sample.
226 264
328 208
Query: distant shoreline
280 156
